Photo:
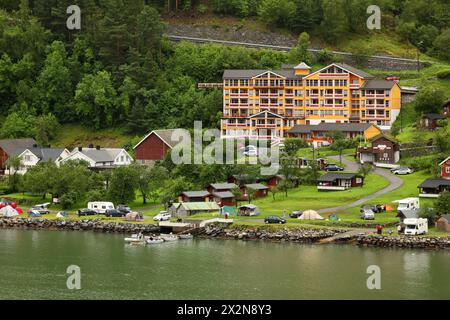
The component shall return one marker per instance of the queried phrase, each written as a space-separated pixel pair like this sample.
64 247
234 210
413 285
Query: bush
443 74
325 57
68 200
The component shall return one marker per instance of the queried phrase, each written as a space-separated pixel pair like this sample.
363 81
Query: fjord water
34 264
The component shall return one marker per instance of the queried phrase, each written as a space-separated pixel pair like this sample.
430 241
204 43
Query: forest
119 71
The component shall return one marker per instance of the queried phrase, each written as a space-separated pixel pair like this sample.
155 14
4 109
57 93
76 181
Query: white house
32 156
101 158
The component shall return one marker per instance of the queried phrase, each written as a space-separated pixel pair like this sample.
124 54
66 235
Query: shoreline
244 233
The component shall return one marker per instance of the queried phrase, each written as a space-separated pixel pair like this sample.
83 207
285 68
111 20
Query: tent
8 211
310 215
334 217
248 210
229 209
62 214
133 216
19 210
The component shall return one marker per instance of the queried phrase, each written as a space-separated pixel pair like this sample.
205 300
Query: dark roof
250 73
196 194
408 214
354 70
16 146
256 186
330 177
446 217
46 154
378 85
434 183
223 186
434 116
381 135
344 127
223 194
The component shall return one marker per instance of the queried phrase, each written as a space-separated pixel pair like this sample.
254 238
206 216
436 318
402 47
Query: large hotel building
268 103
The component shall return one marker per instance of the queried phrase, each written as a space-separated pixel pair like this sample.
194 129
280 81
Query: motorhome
100 206
414 226
408 204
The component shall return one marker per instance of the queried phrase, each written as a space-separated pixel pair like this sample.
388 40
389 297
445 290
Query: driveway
394 183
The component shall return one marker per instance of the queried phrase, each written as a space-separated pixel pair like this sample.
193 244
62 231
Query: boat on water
187 236
154 241
169 237
135 238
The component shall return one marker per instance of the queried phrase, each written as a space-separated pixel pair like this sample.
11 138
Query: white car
402 171
249 151
367 214
162 216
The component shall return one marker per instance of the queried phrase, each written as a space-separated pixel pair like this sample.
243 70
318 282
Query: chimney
35 145
91 146
97 147
80 148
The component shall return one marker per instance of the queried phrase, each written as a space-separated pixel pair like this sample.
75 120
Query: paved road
394 183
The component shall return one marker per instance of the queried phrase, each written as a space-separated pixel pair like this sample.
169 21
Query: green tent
229 209
333 217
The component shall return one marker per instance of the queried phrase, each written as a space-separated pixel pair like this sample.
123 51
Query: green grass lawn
322 152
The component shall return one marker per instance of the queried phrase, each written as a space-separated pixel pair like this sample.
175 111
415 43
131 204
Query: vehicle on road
296 214
41 208
402 171
100 206
274 219
367 214
162 216
414 226
123 208
86 212
114 213
333 167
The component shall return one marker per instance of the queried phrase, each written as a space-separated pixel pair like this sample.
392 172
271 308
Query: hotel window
244 82
387 103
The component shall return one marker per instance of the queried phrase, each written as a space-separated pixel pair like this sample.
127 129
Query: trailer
415 226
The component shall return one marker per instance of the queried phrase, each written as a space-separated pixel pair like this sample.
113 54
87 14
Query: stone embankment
291 235
405 242
77 225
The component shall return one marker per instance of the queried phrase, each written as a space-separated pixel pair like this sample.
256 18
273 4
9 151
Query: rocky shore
405 242
77 225
288 235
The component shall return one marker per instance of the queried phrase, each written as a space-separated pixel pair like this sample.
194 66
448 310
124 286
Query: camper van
408 204
415 226
100 206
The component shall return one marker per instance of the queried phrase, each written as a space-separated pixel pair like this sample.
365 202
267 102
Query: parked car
296 214
249 150
367 214
40 209
114 213
162 216
333 167
123 208
86 212
402 171
376 208
274 219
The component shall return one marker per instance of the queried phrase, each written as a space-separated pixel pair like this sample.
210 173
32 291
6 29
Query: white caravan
100 206
408 204
414 226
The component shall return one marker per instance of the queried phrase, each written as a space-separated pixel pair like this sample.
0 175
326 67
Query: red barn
445 168
154 146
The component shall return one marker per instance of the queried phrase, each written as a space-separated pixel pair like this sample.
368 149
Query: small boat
169 237
135 238
187 236
154 241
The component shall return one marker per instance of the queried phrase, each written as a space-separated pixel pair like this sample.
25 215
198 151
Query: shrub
443 74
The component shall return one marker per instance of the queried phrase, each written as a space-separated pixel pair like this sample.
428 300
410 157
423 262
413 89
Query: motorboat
187 236
135 238
169 237
154 241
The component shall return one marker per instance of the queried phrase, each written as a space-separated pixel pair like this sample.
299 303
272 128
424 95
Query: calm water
34 265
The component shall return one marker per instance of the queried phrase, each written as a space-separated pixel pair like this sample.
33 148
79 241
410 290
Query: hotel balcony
375 95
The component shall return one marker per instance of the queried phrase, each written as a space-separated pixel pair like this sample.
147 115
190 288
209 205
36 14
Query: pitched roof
16 146
223 194
302 66
100 155
256 186
378 85
196 194
288 73
330 177
223 186
164 134
434 183
434 116
46 154
445 160
382 135
200 206
408 214
446 217
353 70
264 114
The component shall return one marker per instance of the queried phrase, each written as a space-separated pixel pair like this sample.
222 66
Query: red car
392 78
